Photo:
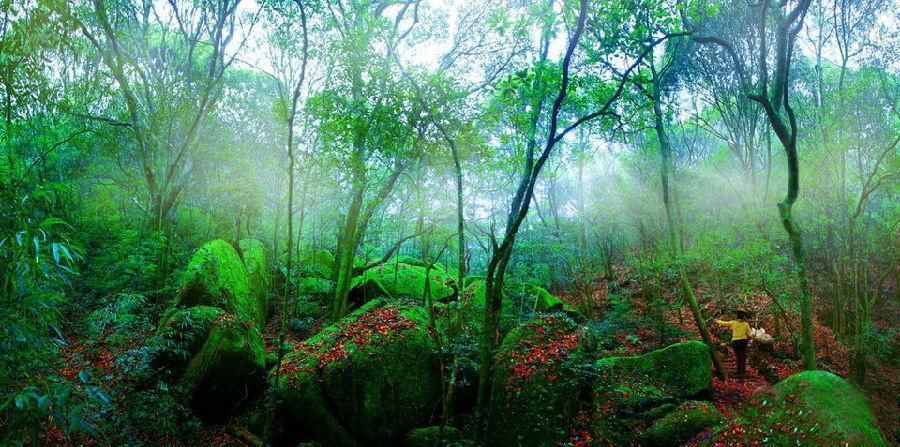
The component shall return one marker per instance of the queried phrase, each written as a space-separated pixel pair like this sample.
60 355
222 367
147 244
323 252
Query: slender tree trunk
785 208
674 245
460 218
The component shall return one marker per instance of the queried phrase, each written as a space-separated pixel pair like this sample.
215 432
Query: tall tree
547 109
768 82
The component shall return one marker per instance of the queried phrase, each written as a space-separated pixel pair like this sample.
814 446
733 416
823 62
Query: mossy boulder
682 424
257 270
539 376
678 371
434 436
808 408
216 358
315 287
543 301
631 392
397 280
316 263
367 380
216 277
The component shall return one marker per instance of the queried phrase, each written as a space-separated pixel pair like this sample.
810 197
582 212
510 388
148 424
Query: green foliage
377 366
814 408
216 277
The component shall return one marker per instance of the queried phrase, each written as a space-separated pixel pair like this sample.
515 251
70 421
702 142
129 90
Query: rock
543 301
396 280
368 379
257 270
682 424
808 408
632 392
538 379
224 362
315 287
677 371
216 277
308 308
316 263
433 436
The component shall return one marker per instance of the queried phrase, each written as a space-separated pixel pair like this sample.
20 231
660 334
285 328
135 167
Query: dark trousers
740 353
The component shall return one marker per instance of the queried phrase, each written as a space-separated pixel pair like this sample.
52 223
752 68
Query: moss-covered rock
366 380
315 287
808 408
216 358
544 301
538 380
682 424
435 436
216 277
316 263
631 392
680 371
304 308
257 269
397 280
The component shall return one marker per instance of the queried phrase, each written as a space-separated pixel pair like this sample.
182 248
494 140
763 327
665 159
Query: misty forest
449 223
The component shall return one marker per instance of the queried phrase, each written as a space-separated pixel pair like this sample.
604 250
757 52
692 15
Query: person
740 338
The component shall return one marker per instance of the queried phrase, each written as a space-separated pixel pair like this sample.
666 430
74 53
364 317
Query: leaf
84 376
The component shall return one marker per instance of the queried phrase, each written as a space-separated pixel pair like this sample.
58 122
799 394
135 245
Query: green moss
681 370
184 331
316 263
435 436
257 270
216 277
404 259
396 280
631 392
315 287
224 359
308 308
543 300
538 379
229 366
682 424
368 379
811 408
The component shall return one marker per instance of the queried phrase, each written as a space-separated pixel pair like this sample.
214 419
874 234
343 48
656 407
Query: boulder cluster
378 376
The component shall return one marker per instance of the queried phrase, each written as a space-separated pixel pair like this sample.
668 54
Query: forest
450 223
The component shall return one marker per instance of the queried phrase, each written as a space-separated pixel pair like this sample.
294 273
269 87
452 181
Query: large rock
678 371
257 270
682 424
216 359
808 408
398 280
632 392
367 380
216 277
538 379
544 301
316 263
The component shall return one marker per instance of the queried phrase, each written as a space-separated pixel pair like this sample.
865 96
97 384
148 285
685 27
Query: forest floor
729 396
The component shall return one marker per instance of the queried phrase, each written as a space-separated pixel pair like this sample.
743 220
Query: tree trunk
674 245
807 344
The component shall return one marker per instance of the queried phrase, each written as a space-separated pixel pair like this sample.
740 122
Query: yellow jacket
740 330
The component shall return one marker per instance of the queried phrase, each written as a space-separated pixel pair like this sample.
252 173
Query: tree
525 97
770 87
168 79
365 121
